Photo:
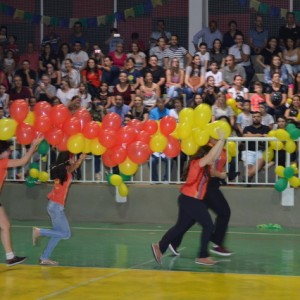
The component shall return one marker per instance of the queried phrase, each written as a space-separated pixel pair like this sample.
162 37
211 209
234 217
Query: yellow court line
35 282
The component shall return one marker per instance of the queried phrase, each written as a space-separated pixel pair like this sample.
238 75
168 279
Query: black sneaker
15 261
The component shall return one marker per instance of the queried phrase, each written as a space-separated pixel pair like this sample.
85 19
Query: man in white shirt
242 55
79 57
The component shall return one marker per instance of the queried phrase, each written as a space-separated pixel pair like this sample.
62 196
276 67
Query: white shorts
251 157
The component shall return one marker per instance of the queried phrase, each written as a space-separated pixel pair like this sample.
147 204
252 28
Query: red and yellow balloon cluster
126 146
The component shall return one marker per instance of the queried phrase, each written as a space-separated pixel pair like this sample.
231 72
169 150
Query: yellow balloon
279 171
215 126
268 155
87 146
189 146
232 148
282 135
272 133
128 167
290 146
186 115
231 102
158 143
115 179
295 167
202 115
184 130
96 147
289 101
30 118
276 145
123 189
294 181
75 143
43 176
201 137
7 129
34 173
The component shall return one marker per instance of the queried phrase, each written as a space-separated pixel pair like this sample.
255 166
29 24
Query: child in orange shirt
5 163
258 97
62 174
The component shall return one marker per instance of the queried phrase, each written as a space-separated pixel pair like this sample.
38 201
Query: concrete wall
155 204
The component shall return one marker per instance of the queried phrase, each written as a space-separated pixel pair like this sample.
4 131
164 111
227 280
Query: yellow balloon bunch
42 176
232 103
195 129
117 180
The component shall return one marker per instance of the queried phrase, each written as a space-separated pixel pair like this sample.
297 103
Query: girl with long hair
61 172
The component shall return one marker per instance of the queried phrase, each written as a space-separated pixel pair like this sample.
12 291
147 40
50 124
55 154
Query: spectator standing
78 36
159 33
258 36
229 36
290 29
52 38
207 35
32 56
158 51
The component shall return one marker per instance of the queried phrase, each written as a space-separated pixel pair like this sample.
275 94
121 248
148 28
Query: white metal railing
167 170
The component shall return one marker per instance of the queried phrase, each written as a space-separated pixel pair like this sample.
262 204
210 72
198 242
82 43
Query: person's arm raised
13 163
215 152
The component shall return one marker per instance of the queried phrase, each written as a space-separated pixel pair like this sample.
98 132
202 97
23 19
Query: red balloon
62 146
138 152
83 116
59 114
126 135
173 147
143 136
71 126
117 154
150 126
137 124
19 110
42 123
112 121
167 125
91 130
24 134
107 137
107 160
54 136
42 108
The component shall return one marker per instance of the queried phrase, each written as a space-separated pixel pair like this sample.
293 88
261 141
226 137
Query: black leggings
191 210
215 200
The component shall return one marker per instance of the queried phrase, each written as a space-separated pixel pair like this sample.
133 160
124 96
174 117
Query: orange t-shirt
221 161
3 170
59 192
196 182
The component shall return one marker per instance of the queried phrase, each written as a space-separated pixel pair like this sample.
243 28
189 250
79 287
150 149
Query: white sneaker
174 252
97 176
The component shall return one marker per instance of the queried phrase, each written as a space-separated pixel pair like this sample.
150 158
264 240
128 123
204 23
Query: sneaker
173 250
207 261
97 176
15 261
48 262
35 235
219 250
157 253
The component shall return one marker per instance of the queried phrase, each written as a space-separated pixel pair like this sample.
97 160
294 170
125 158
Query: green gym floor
114 261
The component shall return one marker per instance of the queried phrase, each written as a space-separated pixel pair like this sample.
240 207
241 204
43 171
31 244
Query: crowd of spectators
144 83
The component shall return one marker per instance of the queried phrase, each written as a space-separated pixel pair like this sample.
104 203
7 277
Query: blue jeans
60 228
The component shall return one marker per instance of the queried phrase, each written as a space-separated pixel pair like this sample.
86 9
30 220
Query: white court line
163 230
